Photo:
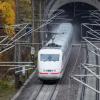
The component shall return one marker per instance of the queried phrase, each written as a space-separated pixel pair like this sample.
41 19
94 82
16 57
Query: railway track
69 88
59 90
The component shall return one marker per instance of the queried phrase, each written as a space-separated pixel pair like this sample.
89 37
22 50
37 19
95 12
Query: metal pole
97 80
17 2
17 59
33 15
16 75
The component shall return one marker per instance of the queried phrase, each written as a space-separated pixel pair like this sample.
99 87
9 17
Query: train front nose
49 65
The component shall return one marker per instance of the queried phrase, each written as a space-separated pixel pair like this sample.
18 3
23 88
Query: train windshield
49 57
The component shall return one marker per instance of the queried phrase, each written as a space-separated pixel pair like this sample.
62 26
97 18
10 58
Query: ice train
53 56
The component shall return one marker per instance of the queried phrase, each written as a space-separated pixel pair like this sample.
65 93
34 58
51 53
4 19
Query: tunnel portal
77 13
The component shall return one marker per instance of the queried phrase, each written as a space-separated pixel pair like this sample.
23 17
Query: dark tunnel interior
76 10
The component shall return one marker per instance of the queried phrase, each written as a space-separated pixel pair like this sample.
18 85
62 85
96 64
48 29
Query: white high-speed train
52 58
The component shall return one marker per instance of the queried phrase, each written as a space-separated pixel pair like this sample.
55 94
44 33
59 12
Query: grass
7 87
7 90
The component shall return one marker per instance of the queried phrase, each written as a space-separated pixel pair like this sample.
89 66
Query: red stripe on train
51 73
43 73
56 73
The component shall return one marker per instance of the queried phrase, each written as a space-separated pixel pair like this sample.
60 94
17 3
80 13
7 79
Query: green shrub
4 85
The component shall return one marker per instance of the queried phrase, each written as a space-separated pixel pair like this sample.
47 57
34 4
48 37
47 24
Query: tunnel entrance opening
79 12
75 12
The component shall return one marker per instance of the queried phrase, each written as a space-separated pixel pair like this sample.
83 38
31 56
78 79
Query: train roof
50 50
51 47
64 31
58 44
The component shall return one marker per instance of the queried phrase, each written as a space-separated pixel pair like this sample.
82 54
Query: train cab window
49 57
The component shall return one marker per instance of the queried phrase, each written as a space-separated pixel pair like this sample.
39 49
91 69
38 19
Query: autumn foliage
7 13
7 19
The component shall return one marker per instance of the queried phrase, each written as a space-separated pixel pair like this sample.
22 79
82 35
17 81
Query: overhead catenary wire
15 65
98 49
91 43
32 30
96 40
41 26
4 39
16 62
7 44
86 25
17 25
3 36
93 34
7 49
18 33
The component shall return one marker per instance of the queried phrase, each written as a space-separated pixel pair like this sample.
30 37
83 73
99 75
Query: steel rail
80 46
52 90
32 96
97 80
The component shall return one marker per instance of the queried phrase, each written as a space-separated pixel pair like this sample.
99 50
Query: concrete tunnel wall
56 4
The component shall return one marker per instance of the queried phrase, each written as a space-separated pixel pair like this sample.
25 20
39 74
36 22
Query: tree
7 8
